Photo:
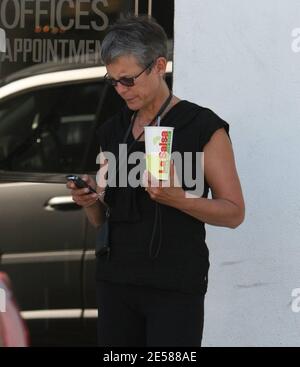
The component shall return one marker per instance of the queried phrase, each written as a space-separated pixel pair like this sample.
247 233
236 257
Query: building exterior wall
242 60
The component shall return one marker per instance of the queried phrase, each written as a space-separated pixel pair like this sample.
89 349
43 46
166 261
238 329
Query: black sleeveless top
182 261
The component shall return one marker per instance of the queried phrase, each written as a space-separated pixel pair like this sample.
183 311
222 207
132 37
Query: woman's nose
121 89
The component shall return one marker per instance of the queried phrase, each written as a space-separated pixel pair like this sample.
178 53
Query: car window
53 130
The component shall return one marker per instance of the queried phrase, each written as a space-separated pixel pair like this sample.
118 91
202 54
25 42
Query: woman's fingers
90 181
83 196
90 200
80 192
152 181
70 185
86 199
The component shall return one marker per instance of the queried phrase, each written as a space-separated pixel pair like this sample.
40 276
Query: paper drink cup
158 143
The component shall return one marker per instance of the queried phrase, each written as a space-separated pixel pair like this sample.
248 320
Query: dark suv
48 118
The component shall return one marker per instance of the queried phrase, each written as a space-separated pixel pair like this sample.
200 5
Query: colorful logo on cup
158 150
165 150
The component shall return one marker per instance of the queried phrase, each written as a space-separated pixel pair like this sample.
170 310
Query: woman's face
146 87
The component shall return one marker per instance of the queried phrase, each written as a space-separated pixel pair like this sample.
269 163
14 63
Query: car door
46 134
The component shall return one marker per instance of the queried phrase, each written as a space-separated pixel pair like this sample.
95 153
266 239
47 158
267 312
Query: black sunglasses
127 82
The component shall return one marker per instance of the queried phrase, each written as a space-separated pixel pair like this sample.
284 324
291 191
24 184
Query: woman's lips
130 100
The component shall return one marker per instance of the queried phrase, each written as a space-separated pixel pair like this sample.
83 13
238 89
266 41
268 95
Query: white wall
236 57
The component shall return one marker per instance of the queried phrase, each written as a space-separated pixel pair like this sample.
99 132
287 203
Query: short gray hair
141 37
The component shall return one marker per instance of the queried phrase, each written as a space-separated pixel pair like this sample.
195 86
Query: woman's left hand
165 192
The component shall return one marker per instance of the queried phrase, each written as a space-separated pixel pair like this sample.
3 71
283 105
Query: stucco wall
242 59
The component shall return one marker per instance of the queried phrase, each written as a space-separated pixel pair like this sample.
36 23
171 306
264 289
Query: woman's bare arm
226 208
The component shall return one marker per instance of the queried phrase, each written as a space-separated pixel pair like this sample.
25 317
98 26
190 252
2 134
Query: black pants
135 316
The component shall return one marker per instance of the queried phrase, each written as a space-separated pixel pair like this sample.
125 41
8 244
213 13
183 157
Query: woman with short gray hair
152 276
140 37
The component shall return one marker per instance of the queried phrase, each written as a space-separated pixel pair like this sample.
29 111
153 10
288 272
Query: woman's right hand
82 197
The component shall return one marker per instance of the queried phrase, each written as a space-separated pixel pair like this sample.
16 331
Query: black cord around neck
159 113
157 224
157 218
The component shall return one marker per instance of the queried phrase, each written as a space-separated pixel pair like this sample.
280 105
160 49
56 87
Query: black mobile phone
80 183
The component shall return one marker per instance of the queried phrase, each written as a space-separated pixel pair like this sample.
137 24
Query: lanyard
158 115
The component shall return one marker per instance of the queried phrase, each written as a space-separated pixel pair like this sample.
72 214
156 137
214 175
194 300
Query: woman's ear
161 66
